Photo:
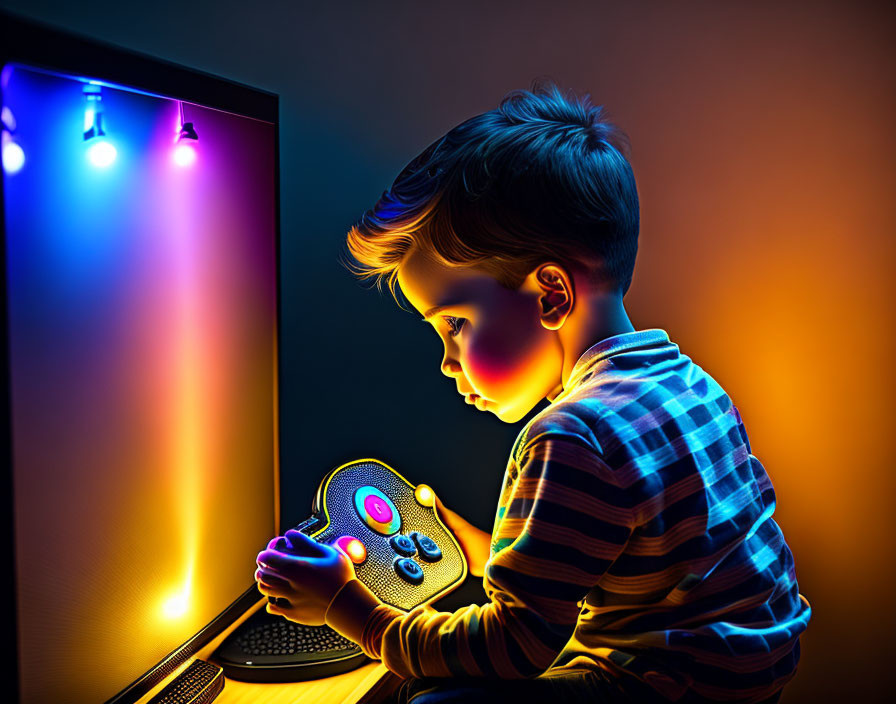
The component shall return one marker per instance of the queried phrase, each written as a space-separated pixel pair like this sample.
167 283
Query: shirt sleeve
562 524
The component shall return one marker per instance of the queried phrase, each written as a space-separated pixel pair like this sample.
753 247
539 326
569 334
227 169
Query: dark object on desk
259 650
200 683
269 648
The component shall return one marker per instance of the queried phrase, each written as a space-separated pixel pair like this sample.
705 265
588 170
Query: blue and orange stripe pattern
634 534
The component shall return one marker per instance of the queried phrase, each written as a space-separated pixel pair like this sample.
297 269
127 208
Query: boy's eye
454 324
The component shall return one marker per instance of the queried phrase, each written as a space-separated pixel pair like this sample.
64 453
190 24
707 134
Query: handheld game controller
389 529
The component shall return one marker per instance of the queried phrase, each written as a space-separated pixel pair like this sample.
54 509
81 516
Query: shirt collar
610 346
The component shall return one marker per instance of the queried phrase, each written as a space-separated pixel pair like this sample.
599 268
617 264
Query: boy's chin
509 415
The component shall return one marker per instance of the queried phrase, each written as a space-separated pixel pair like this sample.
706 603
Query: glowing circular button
424 495
352 547
377 510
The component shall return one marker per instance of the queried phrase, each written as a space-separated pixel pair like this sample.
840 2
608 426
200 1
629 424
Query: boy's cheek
488 373
494 356
500 364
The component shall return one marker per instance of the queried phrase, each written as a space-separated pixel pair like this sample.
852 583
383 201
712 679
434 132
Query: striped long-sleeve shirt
634 534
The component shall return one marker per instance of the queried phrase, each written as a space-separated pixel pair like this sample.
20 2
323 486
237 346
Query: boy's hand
475 543
306 573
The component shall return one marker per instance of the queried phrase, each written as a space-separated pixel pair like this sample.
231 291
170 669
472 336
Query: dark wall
763 148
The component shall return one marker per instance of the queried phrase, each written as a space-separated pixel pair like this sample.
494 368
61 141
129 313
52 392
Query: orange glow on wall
767 252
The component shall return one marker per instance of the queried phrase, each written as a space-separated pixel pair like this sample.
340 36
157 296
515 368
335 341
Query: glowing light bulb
101 154
186 141
13 155
184 154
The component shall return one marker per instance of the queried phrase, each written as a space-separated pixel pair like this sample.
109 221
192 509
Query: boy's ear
557 295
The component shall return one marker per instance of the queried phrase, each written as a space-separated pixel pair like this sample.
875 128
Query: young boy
633 556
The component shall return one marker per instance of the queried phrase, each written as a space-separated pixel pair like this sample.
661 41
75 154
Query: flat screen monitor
140 233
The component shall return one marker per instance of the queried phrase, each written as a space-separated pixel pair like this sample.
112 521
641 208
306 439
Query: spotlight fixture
13 154
185 142
101 152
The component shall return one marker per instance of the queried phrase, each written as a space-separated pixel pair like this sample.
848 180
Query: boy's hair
541 178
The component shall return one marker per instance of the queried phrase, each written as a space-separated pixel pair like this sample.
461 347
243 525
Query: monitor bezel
41 46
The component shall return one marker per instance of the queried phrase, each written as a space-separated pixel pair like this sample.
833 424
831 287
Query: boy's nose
450 367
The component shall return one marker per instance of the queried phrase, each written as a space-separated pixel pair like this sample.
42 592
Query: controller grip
307 527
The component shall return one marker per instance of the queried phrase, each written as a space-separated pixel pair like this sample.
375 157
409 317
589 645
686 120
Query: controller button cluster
408 570
429 551
403 545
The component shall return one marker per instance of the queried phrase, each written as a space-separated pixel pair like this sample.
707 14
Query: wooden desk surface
349 687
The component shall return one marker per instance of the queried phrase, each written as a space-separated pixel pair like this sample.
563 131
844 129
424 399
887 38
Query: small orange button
352 547
424 495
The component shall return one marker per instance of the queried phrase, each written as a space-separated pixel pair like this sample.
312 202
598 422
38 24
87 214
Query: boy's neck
595 317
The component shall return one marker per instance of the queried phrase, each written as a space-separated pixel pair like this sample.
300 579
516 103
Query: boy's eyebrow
435 309
432 311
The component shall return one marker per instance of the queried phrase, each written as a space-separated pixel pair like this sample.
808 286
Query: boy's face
502 357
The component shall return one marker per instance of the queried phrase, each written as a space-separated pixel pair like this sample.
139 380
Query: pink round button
377 509
352 547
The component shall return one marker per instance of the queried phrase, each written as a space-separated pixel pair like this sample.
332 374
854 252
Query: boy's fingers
280 543
276 560
303 545
300 611
268 577
269 589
